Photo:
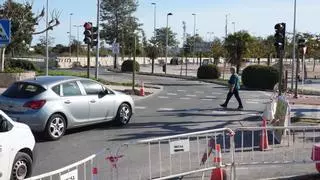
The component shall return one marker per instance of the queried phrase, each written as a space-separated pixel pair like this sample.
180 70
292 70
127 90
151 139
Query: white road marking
140 107
165 109
213 97
171 94
216 93
163 97
219 112
252 102
191 95
180 90
206 99
185 98
199 92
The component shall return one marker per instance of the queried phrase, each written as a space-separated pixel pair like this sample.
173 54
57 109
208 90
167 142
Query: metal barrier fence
181 155
286 145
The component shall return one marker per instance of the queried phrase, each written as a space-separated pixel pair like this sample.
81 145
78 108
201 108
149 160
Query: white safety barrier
193 154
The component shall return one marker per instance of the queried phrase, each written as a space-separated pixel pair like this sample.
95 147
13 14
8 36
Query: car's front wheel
124 114
22 166
56 127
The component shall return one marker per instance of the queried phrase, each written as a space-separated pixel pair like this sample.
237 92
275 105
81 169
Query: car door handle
67 102
93 101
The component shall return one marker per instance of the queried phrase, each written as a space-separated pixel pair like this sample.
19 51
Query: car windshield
23 90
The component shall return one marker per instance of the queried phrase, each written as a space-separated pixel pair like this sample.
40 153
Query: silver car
52 104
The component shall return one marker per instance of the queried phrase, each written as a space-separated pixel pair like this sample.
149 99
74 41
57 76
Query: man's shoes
223 105
240 108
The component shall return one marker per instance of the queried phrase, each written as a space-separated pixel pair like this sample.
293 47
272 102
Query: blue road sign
5 31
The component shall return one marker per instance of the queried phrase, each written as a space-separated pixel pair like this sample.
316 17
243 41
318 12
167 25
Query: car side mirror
103 93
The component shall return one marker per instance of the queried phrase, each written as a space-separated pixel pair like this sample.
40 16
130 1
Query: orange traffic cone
218 173
264 143
142 89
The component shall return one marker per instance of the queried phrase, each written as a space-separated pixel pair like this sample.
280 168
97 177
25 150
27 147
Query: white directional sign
179 146
115 48
72 175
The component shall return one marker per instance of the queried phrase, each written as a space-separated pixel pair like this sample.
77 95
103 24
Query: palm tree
237 45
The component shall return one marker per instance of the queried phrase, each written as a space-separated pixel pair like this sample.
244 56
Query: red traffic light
87 26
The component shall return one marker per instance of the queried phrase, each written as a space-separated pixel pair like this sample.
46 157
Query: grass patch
63 73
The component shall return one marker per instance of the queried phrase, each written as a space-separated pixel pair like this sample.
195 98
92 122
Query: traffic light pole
134 63
297 72
281 72
98 41
88 61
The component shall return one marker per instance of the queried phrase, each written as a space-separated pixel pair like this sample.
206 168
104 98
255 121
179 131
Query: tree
23 22
189 44
217 50
269 46
160 38
59 49
119 24
237 45
40 47
152 52
257 48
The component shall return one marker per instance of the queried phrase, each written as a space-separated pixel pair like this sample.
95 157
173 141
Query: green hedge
260 77
21 64
210 71
127 66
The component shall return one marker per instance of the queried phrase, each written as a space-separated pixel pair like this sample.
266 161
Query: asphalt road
183 106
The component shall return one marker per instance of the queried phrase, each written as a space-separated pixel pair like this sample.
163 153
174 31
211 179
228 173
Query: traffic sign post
115 48
5 32
5 37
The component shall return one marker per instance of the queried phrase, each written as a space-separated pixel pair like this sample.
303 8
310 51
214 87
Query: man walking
234 86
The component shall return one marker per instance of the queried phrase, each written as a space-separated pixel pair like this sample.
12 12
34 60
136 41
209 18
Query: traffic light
87 33
280 36
90 34
94 36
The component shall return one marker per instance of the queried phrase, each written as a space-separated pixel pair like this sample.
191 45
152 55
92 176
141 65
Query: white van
16 149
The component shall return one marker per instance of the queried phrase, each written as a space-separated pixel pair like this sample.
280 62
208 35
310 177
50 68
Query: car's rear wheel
123 115
56 127
22 166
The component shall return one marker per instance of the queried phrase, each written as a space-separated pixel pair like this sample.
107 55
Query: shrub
13 70
175 61
210 71
22 64
127 66
260 77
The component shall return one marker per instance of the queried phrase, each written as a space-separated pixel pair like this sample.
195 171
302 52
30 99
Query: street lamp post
155 18
47 46
78 43
294 43
225 59
70 35
194 35
234 27
167 39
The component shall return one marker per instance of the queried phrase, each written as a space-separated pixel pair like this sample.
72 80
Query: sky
256 16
